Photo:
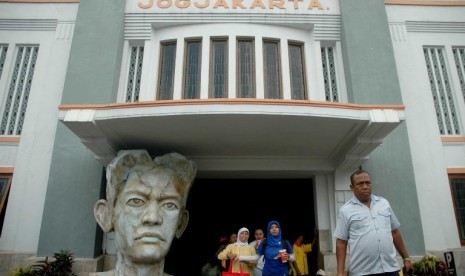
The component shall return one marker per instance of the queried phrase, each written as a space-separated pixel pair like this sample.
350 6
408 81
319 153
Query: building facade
308 90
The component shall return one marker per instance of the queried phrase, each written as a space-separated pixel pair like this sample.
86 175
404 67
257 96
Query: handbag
230 273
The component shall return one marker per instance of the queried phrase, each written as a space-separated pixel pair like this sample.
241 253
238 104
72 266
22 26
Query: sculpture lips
150 237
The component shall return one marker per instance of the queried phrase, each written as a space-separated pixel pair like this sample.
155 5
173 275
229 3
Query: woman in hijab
275 264
241 248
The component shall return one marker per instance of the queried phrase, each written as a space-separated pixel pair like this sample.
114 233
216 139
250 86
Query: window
272 69
19 88
329 74
457 184
3 51
218 68
245 68
167 66
134 74
446 113
5 182
192 69
297 71
459 57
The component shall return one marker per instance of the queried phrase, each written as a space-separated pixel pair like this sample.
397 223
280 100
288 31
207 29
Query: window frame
4 196
250 39
455 176
211 74
163 44
276 41
301 45
185 66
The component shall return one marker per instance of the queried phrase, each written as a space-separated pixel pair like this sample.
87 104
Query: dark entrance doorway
221 206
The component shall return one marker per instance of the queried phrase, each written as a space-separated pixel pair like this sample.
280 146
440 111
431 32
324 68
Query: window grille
459 57
167 69
134 74
192 70
18 91
297 71
442 93
457 183
219 68
245 68
272 69
329 74
3 51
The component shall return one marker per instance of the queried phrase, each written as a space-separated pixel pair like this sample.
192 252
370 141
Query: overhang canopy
244 133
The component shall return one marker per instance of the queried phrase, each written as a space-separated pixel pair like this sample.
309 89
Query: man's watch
407 259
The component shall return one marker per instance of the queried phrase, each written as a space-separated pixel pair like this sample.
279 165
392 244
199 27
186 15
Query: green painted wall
371 78
76 178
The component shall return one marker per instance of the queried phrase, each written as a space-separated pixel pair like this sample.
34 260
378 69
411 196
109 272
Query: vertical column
179 70
259 71
285 71
205 76
75 180
232 67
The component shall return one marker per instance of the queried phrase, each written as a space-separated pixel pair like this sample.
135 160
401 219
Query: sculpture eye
135 202
170 206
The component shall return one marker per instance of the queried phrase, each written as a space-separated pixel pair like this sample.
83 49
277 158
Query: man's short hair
128 161
357 172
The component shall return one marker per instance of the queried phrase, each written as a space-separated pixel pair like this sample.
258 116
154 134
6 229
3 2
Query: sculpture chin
148 254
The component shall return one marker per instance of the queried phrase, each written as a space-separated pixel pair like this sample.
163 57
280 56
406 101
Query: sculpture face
147 214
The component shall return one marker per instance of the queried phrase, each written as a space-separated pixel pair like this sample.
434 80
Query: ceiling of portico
226 136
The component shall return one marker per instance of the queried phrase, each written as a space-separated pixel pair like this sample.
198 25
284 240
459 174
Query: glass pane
272 70
168 60
296 67
245 69
219 69
192 70
458 190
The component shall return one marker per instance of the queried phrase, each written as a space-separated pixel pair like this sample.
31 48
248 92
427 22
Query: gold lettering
296 4
258 3
179 3
222 3
279 4
315 4
145 6
202 6
238 3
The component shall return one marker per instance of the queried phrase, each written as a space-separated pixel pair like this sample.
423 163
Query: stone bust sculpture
145 206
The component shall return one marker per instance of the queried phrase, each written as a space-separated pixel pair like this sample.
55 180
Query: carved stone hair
128 161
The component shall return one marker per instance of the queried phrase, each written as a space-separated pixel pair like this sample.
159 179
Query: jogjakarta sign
233 4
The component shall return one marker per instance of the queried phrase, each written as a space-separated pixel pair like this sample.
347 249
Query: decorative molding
7 169
398 32
455 170
10 139
65 30
453 139
28 24
143 104
138 26
39 1
425 3
435 27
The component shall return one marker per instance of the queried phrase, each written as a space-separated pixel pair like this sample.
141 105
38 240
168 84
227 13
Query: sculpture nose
153 214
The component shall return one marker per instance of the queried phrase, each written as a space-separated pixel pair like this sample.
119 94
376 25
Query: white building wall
431 157
31 157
